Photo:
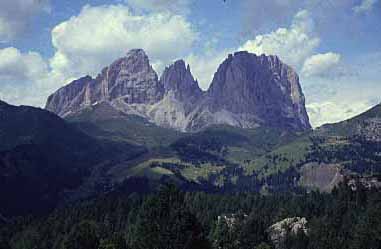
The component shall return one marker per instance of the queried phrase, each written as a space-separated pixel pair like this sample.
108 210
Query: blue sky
334 45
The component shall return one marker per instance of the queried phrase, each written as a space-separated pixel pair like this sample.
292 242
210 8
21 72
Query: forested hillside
349 217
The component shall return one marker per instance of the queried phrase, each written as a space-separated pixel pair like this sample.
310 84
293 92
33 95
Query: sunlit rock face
130 80
247 91
72 97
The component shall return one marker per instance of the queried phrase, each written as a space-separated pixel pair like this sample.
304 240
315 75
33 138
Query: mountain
258 90
178 79
43 158
247 91
129 82
181 99
250 130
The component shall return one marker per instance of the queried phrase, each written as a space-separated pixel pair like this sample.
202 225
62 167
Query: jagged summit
247 91
129 80
131 77
179 79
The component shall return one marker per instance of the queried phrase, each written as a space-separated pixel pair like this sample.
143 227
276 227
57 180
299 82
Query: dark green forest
349 217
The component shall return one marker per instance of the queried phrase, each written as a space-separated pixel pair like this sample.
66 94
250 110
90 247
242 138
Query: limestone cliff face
130 80
178 79
258 90
182 96
247 91
71 98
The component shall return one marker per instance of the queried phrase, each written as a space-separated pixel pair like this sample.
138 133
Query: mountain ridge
247 91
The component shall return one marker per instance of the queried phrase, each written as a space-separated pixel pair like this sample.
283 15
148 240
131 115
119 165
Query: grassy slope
216 151
105 122
336 140
193 155
281 158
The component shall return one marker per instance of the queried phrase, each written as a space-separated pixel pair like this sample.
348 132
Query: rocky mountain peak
131 77
262 88
247 91
129 80
178 79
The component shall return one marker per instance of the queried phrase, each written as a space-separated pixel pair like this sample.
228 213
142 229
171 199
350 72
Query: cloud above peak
89 41
98 35
293 44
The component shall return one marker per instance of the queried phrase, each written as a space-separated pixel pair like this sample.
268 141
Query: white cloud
15 66
204 66
16 15
175 6
365 6
332 112
25 77
331 100
98 35
322 65
293 45
86 43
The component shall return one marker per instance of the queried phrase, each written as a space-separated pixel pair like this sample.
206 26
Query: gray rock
322 176
279 230
71 98
259 90
181 98
247 91
178 79
131 79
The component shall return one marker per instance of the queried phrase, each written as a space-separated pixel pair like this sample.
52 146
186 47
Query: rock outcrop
232 220
322 176
247 91
288 226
